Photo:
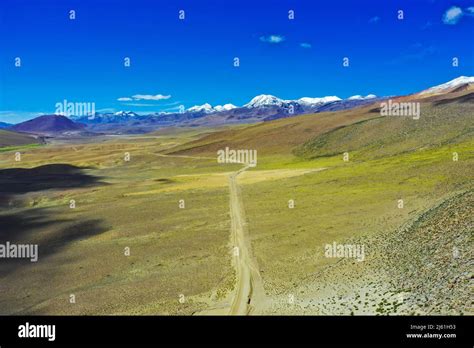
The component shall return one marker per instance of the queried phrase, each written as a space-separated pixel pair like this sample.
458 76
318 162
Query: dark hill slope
450 122
9 138
48 124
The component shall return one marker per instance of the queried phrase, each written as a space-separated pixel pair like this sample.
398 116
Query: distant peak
359 97
264 100
48 123
204 107
125 113
224 107
322 100
461 80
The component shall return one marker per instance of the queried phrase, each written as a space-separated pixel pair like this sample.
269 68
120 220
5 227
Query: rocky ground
434 260
425 267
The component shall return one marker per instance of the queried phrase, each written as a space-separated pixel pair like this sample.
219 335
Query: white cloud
305 45
272 39
144 97
137 104
374 19
150 97
452 15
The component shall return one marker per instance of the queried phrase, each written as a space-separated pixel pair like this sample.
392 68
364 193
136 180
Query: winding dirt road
249 295
249 291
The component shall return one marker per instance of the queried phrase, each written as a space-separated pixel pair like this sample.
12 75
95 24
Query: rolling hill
9 138
442 122
48 124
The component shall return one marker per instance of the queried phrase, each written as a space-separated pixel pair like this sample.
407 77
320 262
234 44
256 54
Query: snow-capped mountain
359 97
225 107
317 101
125 114
263 107
208 108
266 100
457 82
263 100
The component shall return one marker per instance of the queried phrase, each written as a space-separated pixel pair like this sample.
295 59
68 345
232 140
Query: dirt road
249 292
249 295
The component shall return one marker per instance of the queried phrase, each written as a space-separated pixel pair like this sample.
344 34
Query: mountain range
261 108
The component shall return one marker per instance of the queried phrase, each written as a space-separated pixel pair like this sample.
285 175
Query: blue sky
190 61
